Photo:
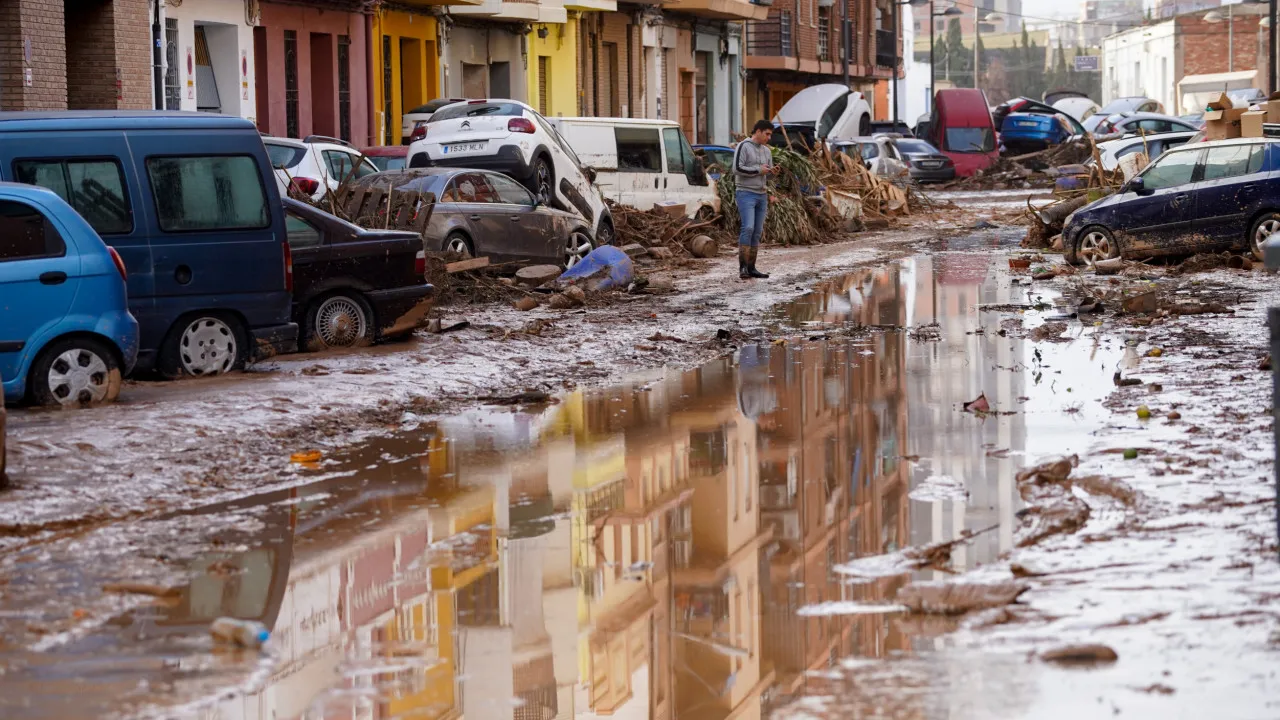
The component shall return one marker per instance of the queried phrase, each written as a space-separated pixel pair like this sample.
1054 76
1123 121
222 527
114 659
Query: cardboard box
1251 123
1272 106
1222 119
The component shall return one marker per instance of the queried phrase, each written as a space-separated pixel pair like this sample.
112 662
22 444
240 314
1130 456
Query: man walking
752 164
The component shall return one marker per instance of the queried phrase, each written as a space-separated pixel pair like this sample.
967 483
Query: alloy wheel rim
340 322
458 245
576 249
79 377
208 347
1265 230
1095 246
544 179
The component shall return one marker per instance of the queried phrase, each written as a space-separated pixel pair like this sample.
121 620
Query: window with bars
291 83
172 84
386 88
824 33
344 87
544 70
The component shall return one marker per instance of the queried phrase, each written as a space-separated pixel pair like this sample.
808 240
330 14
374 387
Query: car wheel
544 180
576 248
203 345
75 372
1096 243
340 320
1262 229
458 243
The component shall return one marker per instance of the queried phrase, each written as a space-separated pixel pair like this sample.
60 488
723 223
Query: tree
983 61
958 62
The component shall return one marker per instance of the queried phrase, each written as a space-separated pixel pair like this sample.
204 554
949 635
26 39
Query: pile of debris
667 231
1075 186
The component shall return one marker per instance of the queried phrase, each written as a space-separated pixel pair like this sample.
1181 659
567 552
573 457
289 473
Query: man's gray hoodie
751 164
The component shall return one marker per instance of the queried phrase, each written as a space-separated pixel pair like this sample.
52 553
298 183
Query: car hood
808 105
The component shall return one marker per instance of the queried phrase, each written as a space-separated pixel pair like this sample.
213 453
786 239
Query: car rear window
915 146
285 156
93 186
25 233
1228 161
210 192
970 140
477 110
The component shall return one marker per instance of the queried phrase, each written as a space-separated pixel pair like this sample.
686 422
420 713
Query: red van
960 126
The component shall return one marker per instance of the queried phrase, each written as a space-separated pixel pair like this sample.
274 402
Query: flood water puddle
663 549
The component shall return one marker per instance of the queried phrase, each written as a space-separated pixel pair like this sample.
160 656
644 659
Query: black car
479 213
353 286
1198 197
926 163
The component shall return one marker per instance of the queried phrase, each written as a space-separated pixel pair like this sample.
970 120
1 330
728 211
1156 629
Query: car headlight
1067 223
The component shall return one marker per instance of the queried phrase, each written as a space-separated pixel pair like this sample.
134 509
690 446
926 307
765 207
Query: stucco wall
231 49
560 48
480 48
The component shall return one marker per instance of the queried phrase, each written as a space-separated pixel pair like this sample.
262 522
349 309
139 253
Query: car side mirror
1136 185
590 174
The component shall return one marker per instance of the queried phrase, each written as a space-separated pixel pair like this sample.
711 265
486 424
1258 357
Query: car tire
1261 229
459 243
203 344
606 234
1094 242
542 181
75 372
576 247
339 320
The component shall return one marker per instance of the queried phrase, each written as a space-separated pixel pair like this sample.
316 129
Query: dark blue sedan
1202 197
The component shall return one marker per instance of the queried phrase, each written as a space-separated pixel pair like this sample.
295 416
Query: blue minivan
66 335
189 201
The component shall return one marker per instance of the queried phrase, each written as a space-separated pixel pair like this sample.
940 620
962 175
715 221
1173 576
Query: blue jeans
751 209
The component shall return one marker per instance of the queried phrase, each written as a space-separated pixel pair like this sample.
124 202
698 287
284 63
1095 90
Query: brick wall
133 54
39 22
1204 44
91 54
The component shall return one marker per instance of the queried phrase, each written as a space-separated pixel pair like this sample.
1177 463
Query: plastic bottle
243 633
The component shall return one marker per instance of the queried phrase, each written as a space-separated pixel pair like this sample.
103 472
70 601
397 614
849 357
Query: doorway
499 80
686 101
702 109
473 78
323 110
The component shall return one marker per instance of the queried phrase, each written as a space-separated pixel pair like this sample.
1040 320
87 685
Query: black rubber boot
744 262
751 264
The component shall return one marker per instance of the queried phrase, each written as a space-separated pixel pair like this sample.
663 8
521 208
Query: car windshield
477 110
285 156
916 146
970 140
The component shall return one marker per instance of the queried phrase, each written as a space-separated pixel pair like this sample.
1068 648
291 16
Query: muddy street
900 479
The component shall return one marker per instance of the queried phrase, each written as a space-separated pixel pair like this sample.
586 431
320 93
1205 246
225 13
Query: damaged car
1202 197
353 286
487 214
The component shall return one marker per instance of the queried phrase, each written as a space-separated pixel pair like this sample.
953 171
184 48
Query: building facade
210 63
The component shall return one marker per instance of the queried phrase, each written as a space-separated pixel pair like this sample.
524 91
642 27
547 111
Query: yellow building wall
560 50
415 68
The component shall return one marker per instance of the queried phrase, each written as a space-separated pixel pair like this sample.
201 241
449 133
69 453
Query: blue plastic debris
604 268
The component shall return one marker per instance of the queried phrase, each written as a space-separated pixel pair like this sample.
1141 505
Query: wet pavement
668 548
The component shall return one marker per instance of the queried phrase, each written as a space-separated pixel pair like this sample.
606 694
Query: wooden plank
464 265
425 211
355 201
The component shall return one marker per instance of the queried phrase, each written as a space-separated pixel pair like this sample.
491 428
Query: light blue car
66 334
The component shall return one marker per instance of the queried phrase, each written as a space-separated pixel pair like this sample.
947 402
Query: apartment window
291 83
195 193
824 33
172 88
95 188
784 31
344 87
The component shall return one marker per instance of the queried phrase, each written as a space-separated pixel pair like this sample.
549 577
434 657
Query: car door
676 184
1164 209
640 162
530 232
1227 193
310 255
487 218
38 279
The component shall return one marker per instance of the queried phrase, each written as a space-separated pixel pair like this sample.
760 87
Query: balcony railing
885 52
770 37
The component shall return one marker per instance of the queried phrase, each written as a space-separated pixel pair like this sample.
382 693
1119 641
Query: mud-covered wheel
1094 243
204 344
75 372
543 181
576 248
1262 229
458 243
605 235
340 320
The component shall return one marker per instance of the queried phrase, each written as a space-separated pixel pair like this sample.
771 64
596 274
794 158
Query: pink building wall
318 108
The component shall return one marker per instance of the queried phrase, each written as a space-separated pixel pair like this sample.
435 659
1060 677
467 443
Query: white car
315 165
411 122
828 112
1132 123
509 137
879 154
1111 151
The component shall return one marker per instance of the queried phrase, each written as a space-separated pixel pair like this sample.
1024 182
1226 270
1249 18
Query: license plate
931 164
1028 123
462 148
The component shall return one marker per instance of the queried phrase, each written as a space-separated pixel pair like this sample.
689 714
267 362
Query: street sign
1086 63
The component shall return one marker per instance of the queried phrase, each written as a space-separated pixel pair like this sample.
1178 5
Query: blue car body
721 155
75 289
1031 131
1201 197
187 199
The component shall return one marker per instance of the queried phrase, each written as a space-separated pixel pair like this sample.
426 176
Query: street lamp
977 36
897 49
933 72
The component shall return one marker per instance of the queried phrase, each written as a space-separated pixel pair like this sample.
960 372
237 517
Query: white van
641 163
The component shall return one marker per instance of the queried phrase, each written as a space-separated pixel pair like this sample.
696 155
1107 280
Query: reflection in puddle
655 551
